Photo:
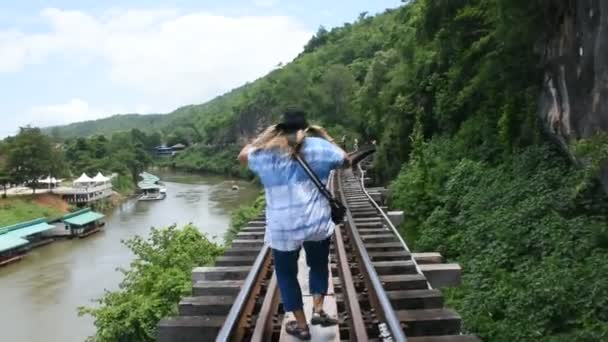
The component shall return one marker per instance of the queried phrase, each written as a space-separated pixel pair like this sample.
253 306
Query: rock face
574 103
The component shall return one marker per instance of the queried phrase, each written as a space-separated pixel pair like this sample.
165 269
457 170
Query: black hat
293 120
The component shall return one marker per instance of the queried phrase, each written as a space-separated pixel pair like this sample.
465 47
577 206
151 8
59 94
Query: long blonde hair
275 138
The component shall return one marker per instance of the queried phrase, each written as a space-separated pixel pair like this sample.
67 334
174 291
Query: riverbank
26 208
207 159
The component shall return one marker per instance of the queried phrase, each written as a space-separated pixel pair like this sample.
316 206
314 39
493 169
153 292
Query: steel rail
244 296
263 325
357 324
389 223
358 330
392 321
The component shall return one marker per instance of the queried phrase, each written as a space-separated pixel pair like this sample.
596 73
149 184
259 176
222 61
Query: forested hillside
451 91
107 126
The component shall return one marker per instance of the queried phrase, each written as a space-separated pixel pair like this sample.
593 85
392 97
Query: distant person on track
296 212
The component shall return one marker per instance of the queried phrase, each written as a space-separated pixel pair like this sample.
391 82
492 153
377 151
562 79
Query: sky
67 61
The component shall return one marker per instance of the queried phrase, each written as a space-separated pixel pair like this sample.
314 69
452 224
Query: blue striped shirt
296 211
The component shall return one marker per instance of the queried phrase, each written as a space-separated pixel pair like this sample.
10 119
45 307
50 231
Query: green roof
149 178
149 181
82 217
148 186
10 242
15 235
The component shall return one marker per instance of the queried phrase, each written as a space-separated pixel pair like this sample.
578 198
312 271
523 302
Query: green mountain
109 125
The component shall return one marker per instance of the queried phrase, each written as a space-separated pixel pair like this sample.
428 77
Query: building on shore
164 150
83 222
49 182
86 189
16 240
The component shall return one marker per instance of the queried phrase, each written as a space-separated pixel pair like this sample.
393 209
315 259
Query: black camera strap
315 179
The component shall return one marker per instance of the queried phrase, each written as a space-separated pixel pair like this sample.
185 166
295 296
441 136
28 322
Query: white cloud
266 3
186 57
72 111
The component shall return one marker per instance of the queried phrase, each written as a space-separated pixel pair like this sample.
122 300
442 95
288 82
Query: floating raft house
150 187
83 222
16 239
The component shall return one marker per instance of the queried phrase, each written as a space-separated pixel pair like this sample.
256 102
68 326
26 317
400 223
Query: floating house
18 239
83 223
164 150
86 189
151 188
178 147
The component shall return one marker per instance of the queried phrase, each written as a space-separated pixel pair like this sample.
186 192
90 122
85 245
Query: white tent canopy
84 179
50 180
99 178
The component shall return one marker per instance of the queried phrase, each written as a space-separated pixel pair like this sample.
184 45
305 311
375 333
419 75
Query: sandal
323 319
293 329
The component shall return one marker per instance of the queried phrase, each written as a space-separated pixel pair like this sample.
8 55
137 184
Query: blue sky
67 61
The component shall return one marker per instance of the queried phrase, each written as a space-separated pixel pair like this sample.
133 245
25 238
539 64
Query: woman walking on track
297 214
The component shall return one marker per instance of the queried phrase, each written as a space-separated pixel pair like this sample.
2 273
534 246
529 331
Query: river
39 295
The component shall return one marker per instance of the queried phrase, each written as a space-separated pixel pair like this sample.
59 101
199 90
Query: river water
40 294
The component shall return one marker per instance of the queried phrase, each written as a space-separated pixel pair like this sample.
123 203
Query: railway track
381 291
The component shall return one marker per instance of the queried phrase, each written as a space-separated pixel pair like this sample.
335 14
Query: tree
5 180
319 39
159 276
30 156
338 86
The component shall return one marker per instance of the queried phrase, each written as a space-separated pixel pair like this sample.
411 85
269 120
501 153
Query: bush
123 185
242 216
158 277
218 160
533 252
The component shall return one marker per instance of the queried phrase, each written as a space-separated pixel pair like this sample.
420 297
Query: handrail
389 223
84 190
393 322
241 299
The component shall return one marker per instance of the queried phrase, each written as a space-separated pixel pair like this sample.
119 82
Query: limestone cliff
574 102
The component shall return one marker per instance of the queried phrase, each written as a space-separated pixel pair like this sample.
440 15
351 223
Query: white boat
152 196
151 187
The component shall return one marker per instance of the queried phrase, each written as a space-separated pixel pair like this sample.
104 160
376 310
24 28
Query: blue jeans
286 268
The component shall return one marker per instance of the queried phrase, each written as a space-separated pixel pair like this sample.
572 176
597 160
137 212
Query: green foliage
531 250
241 216
124 153
593 153
5 180
123 184
31 156
156 280
220 160
418 187
108 126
